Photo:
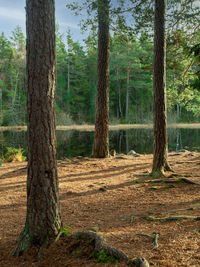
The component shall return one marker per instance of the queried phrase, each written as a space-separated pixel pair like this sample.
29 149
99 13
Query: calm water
72 143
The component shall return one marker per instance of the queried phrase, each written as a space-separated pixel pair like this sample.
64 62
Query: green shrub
14 154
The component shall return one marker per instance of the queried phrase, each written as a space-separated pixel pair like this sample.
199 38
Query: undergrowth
14 154
102 257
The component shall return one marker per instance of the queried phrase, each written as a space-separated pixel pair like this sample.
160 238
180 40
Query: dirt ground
114 197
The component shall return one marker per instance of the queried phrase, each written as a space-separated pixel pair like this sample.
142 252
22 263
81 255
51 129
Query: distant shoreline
90 128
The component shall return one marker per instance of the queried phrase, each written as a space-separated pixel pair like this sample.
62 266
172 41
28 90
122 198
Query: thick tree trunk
43 220
160 161
101 142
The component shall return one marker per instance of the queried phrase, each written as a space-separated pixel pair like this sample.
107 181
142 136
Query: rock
133 153
139 262
79 157
182 150
104 188
191 154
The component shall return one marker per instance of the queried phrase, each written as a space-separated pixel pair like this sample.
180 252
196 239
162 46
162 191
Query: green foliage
131 72
1 162
14 154
64 231
102 257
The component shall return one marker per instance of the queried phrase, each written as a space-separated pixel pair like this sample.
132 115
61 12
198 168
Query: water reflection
71 143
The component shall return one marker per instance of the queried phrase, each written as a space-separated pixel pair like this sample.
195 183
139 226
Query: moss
158 174
138 182
155 187
170 218
180 180
102 257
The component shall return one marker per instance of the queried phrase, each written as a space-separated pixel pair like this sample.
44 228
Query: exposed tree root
187 181
154 237
111 251
171 180
168 167
173 218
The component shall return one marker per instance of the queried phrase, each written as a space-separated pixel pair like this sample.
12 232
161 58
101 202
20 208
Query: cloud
12 13
70 25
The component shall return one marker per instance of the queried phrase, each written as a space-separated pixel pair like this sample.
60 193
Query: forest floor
115 197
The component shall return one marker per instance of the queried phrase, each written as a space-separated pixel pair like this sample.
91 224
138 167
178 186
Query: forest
131 71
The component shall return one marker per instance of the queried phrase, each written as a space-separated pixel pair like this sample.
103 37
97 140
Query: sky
12 14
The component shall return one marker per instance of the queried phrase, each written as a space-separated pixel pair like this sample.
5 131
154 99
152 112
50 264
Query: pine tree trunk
160 161
127 92
101 142
1 104
43 220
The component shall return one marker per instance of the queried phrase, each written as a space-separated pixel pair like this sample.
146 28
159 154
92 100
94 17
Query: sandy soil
119 211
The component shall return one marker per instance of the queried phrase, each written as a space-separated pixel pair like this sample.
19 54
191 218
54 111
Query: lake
72 143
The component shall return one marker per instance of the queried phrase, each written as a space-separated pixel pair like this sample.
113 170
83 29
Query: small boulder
139 262
182 150
104 188
133 153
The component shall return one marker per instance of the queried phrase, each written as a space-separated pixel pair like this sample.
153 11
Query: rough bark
101 142
43 219
160 161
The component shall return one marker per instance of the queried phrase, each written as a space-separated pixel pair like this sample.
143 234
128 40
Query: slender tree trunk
127 91
43 220
1 105
101 142
68 74
119 94
160 160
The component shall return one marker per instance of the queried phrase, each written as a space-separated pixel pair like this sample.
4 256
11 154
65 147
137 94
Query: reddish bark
43 219
101 142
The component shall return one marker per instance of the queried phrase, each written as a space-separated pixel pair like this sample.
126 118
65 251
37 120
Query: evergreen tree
101 141
160 157
43 219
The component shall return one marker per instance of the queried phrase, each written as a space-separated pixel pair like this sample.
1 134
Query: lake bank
87 127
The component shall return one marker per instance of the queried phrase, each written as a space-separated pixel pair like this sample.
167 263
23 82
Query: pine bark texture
43 220
160 162
101 142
